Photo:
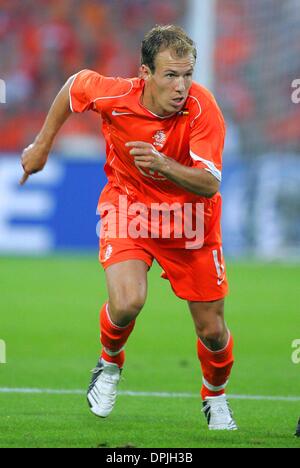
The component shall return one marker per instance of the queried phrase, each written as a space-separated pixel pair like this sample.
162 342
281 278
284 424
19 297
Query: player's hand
147 156
33 160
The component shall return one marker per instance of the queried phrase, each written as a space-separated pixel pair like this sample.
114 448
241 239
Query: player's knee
124 309
213 335
209 323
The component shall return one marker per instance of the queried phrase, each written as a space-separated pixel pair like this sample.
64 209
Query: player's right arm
79 94
35 156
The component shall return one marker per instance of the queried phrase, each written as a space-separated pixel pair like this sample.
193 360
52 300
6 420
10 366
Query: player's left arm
193 179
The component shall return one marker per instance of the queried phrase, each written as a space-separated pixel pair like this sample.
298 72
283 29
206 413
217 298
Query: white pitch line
47 391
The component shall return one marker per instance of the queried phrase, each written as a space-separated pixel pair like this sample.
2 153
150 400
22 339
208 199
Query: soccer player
164 139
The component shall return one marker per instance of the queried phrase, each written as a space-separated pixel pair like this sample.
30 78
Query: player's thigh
127 288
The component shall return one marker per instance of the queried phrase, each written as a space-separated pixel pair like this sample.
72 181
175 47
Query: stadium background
249 55
255 60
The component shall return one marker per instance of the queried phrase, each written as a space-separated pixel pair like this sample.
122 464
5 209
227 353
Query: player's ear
145 72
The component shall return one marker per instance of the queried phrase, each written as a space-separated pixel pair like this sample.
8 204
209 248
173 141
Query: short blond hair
165 37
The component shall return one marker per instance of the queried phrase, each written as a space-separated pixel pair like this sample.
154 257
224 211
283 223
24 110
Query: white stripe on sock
113 353
219 350
213 388
112 323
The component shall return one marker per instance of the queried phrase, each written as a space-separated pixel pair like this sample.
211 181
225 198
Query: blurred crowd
43 42
257 59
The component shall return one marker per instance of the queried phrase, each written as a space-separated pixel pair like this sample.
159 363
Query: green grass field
49 321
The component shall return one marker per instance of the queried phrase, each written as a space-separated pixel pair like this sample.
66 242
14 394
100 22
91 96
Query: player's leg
214 346
209 323
126 263
127 289
215 353
199 277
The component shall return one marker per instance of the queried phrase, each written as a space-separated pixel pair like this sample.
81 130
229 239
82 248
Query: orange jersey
193 137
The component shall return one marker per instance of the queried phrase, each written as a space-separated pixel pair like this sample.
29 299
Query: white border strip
73 78
210 165
46 391
200 108
213 388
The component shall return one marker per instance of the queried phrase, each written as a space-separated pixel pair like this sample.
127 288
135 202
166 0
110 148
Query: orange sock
216 367
113 338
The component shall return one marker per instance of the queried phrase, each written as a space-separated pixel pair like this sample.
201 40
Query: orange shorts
195 275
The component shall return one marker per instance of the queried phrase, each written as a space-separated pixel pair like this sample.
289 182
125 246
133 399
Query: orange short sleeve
86 86
92 91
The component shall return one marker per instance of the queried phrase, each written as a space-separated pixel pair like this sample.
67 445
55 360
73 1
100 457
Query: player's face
167 89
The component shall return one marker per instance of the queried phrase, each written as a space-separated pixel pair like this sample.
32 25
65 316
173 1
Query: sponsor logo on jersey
116 113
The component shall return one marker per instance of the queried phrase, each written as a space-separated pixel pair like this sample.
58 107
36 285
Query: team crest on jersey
159 138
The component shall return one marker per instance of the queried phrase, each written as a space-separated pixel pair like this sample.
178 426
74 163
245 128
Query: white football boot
218 414
102 392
